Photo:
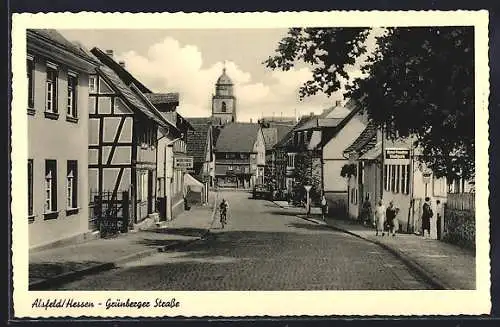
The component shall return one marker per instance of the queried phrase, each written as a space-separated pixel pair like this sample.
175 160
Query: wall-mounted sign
183 162
427 176
397 154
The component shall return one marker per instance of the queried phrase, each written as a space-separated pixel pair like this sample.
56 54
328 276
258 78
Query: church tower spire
224 101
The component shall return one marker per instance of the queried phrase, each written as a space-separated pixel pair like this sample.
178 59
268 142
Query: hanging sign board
183 162
397 156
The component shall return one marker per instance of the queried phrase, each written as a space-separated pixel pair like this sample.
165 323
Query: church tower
223 101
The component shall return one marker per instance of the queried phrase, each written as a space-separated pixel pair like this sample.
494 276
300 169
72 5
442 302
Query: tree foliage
419 82
348 170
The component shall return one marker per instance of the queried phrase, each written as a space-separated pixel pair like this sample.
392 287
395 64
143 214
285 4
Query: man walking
324 206
379 218
390 215
426 218
366 211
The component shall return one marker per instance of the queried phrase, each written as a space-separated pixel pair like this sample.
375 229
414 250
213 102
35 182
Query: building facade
240 156
123 129
58 82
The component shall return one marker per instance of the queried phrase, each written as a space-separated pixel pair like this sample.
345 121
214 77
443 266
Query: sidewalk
443 265
50 267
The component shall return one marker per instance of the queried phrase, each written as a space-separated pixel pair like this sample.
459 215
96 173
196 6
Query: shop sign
397 154
183 162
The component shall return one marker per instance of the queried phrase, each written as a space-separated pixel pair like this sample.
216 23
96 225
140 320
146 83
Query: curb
427 276
74 275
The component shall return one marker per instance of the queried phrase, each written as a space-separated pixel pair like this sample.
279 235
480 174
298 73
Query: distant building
240 156
57 105
200 145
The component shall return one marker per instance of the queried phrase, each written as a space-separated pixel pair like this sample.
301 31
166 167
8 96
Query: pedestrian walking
426 218
379 218
366 211
324 206
391 217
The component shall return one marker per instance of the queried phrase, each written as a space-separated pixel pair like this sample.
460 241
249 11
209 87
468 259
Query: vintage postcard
250 164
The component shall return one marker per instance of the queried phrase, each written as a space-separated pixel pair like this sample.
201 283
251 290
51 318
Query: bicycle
223 218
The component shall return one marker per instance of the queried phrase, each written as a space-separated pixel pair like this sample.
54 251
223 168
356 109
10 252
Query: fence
460 219
461 201
109 213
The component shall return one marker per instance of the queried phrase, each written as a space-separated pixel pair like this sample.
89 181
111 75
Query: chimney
311 114
338 103
110 53
122 63
250 120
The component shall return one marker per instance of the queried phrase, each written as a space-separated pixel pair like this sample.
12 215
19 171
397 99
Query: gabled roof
119 70
133 96
237 137
365 140
55 38
286 140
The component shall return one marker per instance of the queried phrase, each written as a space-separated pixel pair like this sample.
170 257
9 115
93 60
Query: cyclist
223 208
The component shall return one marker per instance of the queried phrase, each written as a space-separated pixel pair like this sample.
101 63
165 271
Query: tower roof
224 79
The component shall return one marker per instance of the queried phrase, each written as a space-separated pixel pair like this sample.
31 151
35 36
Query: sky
189 61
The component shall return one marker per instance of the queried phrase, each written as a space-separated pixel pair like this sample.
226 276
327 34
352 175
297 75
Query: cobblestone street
263 247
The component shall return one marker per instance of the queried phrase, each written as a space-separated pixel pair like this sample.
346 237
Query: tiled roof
56 38
196 142
288 137
163 98
237 137
270 137
199 120
364 140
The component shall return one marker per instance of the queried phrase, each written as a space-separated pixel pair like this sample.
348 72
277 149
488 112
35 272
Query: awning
192 183
373 153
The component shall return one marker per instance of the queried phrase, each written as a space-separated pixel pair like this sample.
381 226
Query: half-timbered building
172 160
123 129
57 81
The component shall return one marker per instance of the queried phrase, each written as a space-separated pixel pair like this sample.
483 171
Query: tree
419 82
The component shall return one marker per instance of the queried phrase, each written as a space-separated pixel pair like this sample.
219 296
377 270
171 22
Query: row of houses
339 153
101 144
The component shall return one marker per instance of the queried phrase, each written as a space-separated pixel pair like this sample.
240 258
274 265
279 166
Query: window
92 84
143 180
354 196
72 97
30 187
72 185
51 90
30 66
50 186
291 160
224 107
397 178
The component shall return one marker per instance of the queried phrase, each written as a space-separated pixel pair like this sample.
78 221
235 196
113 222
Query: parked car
261 191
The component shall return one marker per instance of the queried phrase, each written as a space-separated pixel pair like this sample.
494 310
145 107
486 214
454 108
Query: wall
332 181
60 140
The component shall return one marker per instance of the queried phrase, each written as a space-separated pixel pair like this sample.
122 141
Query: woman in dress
379 218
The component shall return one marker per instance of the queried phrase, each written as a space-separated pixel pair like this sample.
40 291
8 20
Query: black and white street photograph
287 157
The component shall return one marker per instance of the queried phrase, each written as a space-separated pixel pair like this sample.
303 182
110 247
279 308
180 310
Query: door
150 191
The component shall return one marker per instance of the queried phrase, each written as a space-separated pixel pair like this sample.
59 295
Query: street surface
263 247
